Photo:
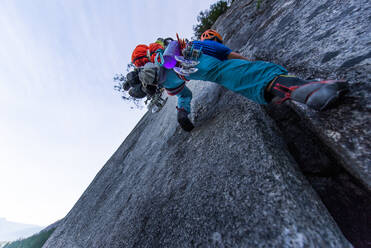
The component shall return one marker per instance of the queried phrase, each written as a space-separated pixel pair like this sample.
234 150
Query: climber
211 44
259 81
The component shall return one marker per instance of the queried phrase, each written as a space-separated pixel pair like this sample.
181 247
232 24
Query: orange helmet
211 34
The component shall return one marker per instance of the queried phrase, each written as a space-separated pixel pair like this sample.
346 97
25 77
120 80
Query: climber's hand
184 121
150 90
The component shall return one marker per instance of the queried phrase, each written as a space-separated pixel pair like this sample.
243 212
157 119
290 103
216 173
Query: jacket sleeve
184 99
213 48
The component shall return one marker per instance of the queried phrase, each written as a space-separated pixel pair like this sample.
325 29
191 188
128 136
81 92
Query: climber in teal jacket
232 74
244 77
259 81
212 44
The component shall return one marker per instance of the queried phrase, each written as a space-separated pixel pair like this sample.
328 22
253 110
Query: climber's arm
212 48
217 50
234 55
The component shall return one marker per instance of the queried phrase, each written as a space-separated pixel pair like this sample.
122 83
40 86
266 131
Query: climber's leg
318 95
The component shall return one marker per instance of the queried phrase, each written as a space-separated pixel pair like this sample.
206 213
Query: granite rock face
228 183
319 39
316 39
232 181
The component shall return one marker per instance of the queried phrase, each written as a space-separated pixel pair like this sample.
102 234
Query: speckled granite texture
316 39
232 182
228 183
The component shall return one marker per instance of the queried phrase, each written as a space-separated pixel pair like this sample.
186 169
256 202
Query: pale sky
60 119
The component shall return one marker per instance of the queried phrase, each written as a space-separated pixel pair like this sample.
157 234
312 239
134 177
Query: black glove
150 89
183 120
137 91
126 86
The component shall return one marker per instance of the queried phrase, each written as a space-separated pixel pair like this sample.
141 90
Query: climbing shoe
184 121
318 95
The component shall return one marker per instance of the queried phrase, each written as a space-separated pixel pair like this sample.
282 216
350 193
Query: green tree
207 18
35 241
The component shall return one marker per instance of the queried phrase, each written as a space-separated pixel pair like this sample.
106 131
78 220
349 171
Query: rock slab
316 39
228 183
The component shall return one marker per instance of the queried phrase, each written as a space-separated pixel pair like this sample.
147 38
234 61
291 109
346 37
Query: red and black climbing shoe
318 95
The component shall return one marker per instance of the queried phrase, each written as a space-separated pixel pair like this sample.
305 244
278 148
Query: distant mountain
10 231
